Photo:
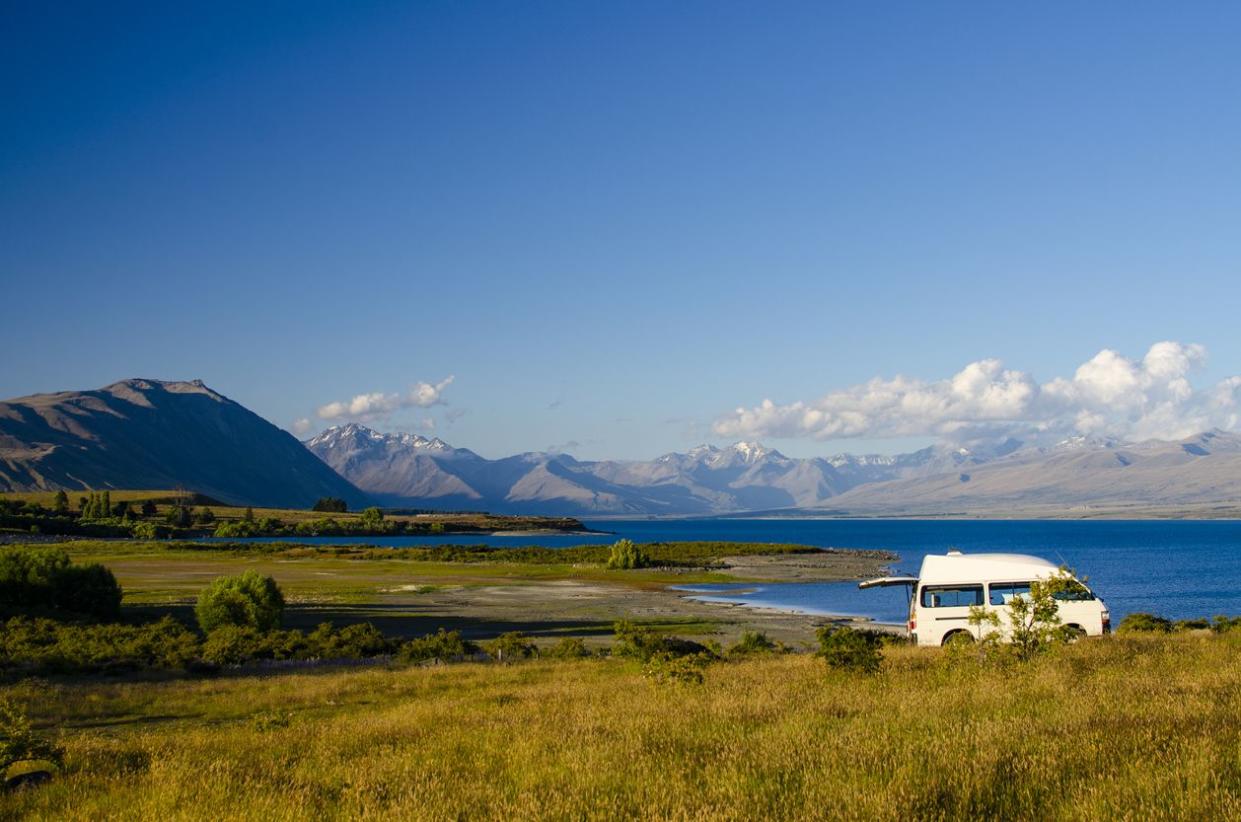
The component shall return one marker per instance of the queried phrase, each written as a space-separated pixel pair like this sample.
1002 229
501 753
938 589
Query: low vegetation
174 514
36 580
1133 726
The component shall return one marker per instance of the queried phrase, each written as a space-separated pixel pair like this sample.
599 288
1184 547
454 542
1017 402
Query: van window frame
990 585
923 601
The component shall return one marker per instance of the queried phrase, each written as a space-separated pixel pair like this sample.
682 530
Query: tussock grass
1141 727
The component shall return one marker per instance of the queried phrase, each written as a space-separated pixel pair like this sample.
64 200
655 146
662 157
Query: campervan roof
958 567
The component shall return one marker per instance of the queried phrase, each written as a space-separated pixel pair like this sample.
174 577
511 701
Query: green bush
39 581
249 599
510 647
147 530
351 642
850 649
19 742
1225 624
644 644
233 645
753 642
627 555
1144 623
87 589
47 646
1191 625
442 646
686 669
330 505
570 647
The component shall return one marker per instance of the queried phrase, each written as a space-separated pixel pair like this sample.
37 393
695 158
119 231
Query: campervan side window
951 596
1003 593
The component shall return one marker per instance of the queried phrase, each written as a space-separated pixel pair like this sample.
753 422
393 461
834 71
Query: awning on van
884 582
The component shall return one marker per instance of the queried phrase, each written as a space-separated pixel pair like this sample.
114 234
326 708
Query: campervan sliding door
945 609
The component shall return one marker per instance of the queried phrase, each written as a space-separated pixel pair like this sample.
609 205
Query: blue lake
1179 568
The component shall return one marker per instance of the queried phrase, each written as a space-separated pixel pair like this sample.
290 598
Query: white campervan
949 584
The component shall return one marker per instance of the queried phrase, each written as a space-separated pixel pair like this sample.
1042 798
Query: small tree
179 516
627 555
511 646
61 503
149 508
250 599
1033 618
330 505
204 516
248 516
19 742
372 518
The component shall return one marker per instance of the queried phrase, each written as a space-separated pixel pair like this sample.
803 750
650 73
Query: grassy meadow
1126 727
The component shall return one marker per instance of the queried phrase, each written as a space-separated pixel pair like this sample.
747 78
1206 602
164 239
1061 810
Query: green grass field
1116 728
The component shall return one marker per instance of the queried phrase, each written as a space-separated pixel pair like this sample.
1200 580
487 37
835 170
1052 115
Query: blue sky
614 224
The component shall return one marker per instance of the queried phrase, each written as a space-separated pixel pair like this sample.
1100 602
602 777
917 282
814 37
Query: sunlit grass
1133 728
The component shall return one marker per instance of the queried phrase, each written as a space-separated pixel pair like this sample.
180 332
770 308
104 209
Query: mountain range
154 434
707 480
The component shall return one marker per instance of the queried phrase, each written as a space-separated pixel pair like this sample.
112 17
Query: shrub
1144 623
19 742
249 599
351 642
571 647
644 644
442 646
627 555
510 647
850 649
1225 624
1191 625
179 516
147 530
678 670
233 645
204 516
37 580
43 645
330 505
753 642
87 589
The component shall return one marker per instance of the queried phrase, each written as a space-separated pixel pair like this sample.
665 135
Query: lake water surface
1178 568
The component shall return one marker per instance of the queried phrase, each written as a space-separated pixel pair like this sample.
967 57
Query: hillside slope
155 434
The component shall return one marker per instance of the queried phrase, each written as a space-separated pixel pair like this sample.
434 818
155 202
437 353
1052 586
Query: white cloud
378 404
302 427
1109 394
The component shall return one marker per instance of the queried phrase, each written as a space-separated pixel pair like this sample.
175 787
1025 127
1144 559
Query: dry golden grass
1120 728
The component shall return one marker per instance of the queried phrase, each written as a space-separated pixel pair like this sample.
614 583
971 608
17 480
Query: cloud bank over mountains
1109 395
376 405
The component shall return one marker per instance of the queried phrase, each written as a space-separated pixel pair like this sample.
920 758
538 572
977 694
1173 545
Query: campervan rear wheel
1074 632
958 638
